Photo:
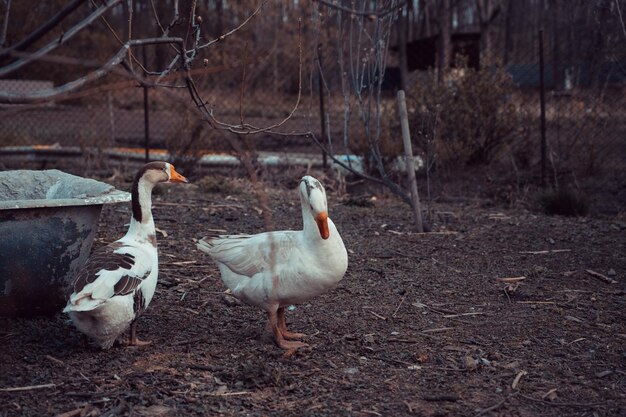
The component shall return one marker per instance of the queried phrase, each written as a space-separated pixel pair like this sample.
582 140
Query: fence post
146 112
410 163
542 100
323 129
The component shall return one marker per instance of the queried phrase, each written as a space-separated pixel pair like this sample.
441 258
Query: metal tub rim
116 196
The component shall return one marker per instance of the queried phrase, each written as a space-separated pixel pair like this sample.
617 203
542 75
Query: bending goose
275 269
118 281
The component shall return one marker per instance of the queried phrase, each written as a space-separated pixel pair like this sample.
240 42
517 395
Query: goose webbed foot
134 340
280 339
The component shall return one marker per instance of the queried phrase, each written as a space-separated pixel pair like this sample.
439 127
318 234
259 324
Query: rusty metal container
48 220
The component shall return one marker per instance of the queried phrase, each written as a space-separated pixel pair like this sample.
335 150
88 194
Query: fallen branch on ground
543 252
28 388
511 279
601 277
518 377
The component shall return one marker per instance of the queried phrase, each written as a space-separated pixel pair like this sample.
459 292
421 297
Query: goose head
156 172
148 176
314 205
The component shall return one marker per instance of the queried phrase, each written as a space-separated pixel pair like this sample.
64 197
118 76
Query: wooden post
323 130
542 101
146 117
410 162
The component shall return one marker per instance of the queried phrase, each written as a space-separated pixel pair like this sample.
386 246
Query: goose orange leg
134 341
278 335
282 326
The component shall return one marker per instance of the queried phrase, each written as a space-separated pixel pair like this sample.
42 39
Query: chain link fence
487 108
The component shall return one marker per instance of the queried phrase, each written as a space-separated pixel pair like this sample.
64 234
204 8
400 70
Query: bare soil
420 325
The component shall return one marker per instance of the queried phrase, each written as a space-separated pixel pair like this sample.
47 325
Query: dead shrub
389 143
219 184
564 202
475 118
191 138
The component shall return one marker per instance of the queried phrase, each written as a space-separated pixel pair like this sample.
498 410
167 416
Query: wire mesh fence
481 105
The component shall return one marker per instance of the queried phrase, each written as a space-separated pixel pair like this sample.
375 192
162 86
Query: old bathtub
48 220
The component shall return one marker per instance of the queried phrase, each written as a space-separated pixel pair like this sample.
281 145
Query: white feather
276 269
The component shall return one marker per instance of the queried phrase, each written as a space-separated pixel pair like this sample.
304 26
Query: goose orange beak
176 177
322 224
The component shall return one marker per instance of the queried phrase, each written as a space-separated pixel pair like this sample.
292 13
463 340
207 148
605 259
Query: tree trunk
402 40
557 61
445 45
508 32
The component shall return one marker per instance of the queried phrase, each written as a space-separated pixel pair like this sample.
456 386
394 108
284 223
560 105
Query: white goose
276 269
118 281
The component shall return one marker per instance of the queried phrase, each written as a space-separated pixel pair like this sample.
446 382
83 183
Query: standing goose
118 281
275 269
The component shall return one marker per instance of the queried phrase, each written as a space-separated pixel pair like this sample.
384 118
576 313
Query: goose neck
142 222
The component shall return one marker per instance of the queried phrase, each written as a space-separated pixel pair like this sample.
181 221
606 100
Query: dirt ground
420 325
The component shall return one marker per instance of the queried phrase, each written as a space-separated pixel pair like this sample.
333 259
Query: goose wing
249 255
113 270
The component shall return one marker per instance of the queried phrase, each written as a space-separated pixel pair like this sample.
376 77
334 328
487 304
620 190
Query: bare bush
476 117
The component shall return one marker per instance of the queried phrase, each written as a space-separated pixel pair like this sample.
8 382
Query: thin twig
398 308
5 24
55 360
28 388
72 413
542 252
130 33
377 315
449 316
373 13
601 277
492 408
242 87
511 279
230 32
132 57
621 18
536 302
561 404
230 394
437 330
449 267
518 377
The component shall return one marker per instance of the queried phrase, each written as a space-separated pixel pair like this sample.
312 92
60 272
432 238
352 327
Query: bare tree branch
191 23
183 58
373 13
56 92
5 25
621 18
230 32
7 69
131 56
348 166
365 47
245 128
130 33
41 31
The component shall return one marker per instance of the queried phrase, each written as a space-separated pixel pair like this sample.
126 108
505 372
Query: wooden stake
410 163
